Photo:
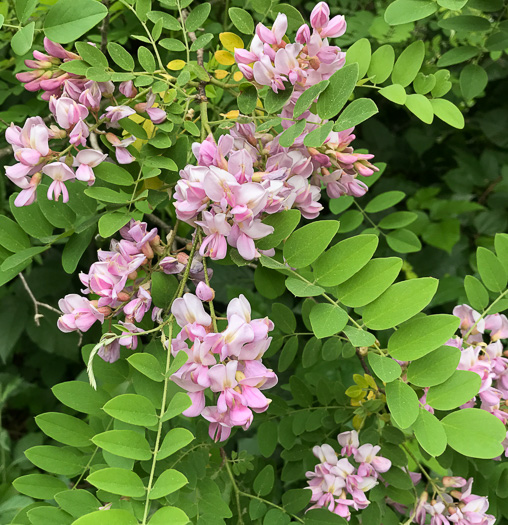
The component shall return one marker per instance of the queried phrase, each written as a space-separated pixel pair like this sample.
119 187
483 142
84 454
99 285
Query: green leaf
148 365
12 236
399 303
197 17
381 64
358 337
288 354
247 100
24 9
430 433
458 389
267 438
110 517
385 368
91 54
394 93
75 248
80 396
133 409
466 23
423 84
21 42
113 174
164 287
77 502
477 295
492 272
317 137
295 19
283 223
454 5
174 440
121 56
67 20
359 52
356 112
404 11
475 433
166 515
402 402
448 112
398 219
242 20
327 320
418 337
146 59
66 429
306 244
370 282
111 222
168 482
295 500
134 129
124 443
473 80
434 368
420 106
301 288
274 102
48 516
335 96
107 195
384 201
283 318
288 136
263 483
403 241
323 517
308 97
168 21
201 42
57 460
456 56
117 481
344 259
409 63
39 486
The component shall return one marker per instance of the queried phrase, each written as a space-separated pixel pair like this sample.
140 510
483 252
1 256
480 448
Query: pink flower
204 292
60 173
220 423
116 113
216 227
122 154
274 35
367 456
79 314
334 28
138 307
188 310
67 112
86 160
320 15
79 134
349 442
110 353
127 88
92 95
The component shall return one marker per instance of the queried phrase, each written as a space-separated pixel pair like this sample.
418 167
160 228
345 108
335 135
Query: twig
104 28
37 315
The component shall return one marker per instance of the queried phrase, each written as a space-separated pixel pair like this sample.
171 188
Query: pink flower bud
127 89
334 28
303 34
204 292
320 15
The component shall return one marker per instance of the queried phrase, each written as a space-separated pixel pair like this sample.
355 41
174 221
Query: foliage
306 259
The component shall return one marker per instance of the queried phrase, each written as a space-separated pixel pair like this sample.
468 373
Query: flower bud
123 296
204 292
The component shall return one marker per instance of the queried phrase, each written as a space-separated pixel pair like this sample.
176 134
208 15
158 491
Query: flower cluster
459 507
77 106
484 354
271 61
339 482
228 363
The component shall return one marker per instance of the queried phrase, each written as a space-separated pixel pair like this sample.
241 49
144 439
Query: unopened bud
106 310
123 296
204 292
133 275
182 258
314 63
147 250
155 241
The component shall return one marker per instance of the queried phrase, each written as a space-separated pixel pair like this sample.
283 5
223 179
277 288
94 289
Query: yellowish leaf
154 183
176 65
221 73
231 41
232 114
224 58
238 76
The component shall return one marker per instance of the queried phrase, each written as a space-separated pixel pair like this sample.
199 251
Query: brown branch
36 303
104 28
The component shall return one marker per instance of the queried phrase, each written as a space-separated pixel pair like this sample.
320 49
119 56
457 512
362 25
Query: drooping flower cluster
340 481
246 174
483 353
454 507
77 106
120 284
273 62
228 363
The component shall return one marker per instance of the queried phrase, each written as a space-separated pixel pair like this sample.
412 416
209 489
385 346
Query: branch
104 28
37 315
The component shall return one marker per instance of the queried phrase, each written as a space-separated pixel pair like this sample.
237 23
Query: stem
235 486
247 495
184 31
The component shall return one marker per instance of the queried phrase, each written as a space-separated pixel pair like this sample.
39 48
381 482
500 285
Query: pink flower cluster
247 175
485 357
271 61
459 507
228 363
338 483
72 100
